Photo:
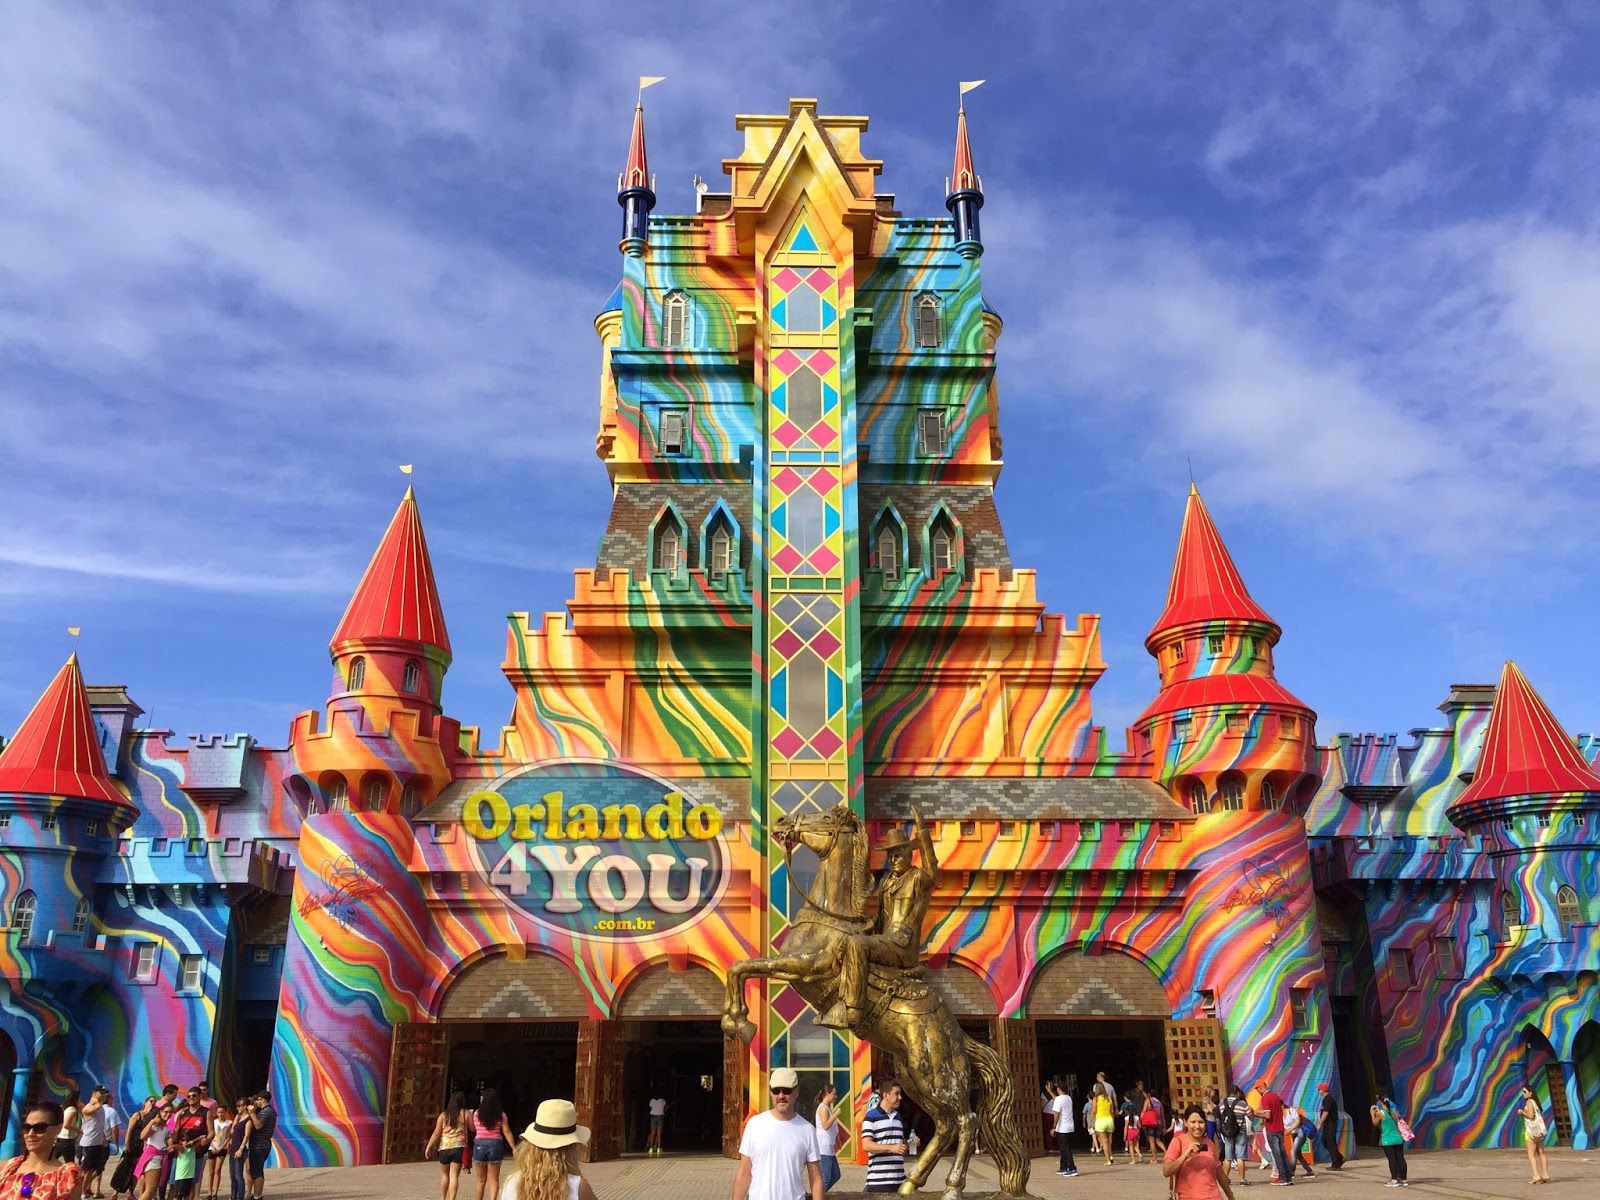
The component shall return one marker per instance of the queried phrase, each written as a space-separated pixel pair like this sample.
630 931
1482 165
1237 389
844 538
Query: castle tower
356 960
62 815
636 190
1223 733
964 193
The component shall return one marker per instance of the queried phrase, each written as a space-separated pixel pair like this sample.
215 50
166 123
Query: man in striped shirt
883 1137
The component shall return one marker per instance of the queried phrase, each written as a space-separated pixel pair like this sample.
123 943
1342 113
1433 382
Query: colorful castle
803 598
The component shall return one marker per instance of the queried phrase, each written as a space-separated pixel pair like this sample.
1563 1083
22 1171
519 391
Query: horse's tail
997 1119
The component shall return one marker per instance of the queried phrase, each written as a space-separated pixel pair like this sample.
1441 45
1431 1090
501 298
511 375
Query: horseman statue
862 972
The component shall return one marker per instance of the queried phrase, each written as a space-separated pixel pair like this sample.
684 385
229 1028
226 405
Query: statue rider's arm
930 860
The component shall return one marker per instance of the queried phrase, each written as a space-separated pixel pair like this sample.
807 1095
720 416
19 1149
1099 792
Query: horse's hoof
745 1031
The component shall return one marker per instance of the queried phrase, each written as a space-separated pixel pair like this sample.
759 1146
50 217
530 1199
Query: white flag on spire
649 81
970 84
405 468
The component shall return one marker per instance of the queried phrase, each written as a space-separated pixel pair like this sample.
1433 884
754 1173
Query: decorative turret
1223 731
636 190
56 752
386 743
964 192
1527 762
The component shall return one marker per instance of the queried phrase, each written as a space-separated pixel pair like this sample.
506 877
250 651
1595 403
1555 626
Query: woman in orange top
1192 1161
35 1174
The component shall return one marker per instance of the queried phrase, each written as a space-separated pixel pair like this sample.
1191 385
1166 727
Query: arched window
929 333
721 553
358 674
942 554
720 546
1199 802
339 795
1269 795
1510 914
22 912
373 792
411 798
1567 914
888 550
1231 789
667 547
411 676
676 322
80 916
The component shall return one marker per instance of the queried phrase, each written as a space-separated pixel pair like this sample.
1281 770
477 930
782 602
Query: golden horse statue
938 1065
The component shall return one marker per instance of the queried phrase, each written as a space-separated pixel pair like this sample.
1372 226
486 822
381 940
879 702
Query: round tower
1223 734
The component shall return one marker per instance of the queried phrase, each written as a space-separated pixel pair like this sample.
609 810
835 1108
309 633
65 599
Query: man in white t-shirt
1061 1107
102 1129
778 1153
658 1121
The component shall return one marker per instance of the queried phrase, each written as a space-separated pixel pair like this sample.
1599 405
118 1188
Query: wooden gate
735 1098
1195 1061
419 1056
1020 1049
599 1102
1562 1114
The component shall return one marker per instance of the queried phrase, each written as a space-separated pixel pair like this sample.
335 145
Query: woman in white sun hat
547 1157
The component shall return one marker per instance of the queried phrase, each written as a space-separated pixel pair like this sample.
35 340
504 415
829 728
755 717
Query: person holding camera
1197 1170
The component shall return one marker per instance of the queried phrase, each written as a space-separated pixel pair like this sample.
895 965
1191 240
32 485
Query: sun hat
784 1077
555 1125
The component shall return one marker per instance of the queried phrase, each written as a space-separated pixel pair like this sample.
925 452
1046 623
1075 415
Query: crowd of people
171 1147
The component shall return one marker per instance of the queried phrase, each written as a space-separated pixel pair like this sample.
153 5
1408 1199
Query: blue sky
1345 257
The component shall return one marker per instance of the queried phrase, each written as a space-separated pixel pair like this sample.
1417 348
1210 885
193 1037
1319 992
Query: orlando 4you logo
598 849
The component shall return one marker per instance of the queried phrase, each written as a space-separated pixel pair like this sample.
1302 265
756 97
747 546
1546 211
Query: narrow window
49 822
1400 970
411 676
1269 795
1237 723
143 966
1177 651
802 398
358 674
1510 914
80 916
886 550
1567 914
1444 954
339 795
5 820
1208 1002
674 427
803 310
929 334
1232 793
1289 726
372 795
677 320
189 967
1300 1009
930 432
1089 831
1181 729
1214 643
22 914
721 548
261 954
1128 830
942 546
1199 802
411 798
91 829
668 547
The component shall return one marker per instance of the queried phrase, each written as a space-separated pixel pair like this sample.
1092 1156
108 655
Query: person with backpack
1150 1125
1233 1129
1297 1139
1392 1137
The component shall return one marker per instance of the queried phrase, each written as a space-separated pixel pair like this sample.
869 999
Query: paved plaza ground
1471 1174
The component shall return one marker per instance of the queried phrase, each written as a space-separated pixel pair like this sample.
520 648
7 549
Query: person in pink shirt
1193 1164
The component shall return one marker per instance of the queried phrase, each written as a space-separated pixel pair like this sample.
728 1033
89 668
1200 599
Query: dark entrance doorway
524 1061
679 1060
1128 1050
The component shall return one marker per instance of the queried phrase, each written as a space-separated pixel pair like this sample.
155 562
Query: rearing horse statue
938 1065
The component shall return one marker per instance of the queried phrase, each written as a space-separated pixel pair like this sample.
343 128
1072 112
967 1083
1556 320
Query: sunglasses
783 1091
39 1126
27 1183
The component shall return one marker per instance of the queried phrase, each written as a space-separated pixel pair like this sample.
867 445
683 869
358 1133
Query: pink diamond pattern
788 743
787 362
822 479
827 743
787 642
786 481
786 280
820 361
787 434
824 559
787 559
824 644
819 279
824 434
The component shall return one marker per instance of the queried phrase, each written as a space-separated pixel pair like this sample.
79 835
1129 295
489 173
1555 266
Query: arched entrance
507 1022
1105 1012
673 1050
1586 1062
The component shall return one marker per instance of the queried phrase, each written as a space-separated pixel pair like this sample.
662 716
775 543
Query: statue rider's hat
896 839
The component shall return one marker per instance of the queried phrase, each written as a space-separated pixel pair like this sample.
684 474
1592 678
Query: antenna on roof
1190 461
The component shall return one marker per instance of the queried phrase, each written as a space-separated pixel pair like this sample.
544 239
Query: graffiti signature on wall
348 887
1265 885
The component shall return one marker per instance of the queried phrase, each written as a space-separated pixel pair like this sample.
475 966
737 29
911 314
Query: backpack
1228 1120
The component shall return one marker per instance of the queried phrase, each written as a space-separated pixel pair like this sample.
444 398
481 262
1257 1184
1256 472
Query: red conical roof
1205 586
1525 750
962 177
637 172
55 751
398 599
